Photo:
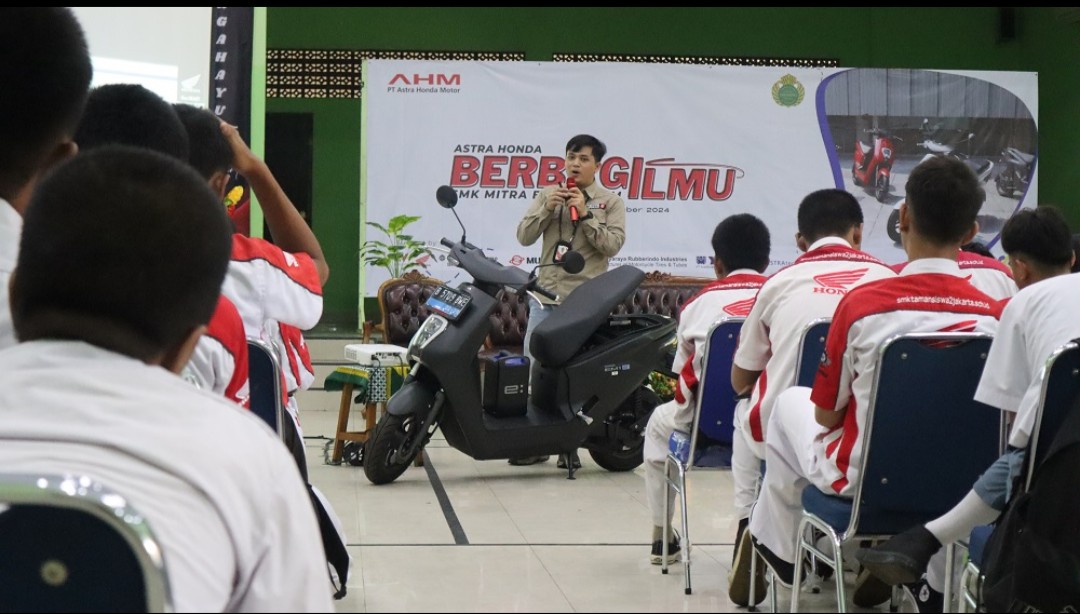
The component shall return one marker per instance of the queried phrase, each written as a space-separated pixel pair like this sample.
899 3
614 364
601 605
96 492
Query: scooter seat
571 324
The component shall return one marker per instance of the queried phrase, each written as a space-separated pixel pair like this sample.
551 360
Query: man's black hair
1041 234
944 196
44 77
828 213
741 241
130 114
599 150
210 151
977 248
123 248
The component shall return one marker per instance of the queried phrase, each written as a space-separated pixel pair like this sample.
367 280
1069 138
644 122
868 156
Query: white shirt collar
743 272
932 265
825 241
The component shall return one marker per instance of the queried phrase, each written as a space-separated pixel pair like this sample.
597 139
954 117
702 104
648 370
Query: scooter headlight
886 153
432 327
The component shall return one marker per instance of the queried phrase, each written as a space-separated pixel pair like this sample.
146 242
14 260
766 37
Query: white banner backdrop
687 146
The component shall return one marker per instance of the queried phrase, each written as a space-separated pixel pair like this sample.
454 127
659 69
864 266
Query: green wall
933 38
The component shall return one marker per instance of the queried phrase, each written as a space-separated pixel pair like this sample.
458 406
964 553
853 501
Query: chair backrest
811 347
70 544
714 415
926 438
1060 391
402 305
264 384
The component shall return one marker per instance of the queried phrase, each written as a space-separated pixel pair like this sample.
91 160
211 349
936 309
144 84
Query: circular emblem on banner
788 92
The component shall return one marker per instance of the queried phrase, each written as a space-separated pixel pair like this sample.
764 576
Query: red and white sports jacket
732 296
266 283
807 289
292 352
219 363
930 295
989 275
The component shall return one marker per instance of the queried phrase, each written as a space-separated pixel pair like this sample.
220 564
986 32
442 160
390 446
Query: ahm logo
838 282
740 309
430 79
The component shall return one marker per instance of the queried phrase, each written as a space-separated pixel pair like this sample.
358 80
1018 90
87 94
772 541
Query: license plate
448 302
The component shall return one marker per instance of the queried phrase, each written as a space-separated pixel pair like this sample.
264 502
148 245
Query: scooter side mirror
573 262
447 196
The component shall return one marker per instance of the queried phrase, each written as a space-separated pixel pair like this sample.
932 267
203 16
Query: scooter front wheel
623 448
383 462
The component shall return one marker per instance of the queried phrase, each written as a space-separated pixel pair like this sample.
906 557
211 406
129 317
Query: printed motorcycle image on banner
883 122
688 145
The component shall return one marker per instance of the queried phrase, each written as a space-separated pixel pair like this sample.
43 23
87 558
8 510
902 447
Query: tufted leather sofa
402 304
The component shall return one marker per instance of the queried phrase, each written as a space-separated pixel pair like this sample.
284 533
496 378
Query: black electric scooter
588 380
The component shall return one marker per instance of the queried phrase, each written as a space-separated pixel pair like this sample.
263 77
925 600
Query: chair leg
667 516
685 526
753 576
342 422
950 552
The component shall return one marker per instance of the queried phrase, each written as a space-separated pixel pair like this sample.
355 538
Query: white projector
375 354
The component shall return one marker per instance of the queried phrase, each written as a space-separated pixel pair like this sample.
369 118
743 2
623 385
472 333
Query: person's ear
801 242
60 153
219 182
719 268
177 356
970 236
856 236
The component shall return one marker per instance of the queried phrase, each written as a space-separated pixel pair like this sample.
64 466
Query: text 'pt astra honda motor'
587 386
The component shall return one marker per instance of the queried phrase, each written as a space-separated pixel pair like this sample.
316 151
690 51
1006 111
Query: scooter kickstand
570 469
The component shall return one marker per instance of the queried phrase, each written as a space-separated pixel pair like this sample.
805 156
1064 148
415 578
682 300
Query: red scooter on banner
872 167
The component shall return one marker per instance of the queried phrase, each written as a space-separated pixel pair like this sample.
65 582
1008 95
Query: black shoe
528 460
926 598
870 590
783 571
562 461
656 557
902 559
739 578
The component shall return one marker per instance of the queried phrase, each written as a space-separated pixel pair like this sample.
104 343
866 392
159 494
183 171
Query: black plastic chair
264 384
69 544
811 347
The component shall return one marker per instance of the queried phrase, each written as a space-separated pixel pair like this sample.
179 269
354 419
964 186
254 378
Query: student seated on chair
45 75
740 256
1038 320
815 437
830 226
121 259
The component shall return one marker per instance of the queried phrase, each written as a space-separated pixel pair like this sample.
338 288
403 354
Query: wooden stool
354 381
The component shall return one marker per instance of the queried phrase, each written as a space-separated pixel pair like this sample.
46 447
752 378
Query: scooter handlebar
447 243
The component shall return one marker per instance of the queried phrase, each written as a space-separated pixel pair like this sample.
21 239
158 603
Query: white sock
958 522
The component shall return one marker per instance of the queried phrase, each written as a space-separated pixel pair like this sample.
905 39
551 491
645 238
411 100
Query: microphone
571 184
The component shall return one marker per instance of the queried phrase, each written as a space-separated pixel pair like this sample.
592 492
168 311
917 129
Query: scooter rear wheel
626 452
382 464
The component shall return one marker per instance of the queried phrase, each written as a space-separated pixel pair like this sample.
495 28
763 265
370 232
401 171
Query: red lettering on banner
613 179
647 191
635 178
489 177
465 171
715 193
521 172
551 171
686 185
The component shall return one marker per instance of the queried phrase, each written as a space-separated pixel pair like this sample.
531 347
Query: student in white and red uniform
983 271
295 359
814 437
37 117
219 363
215 485
740 255
830 226
1038 320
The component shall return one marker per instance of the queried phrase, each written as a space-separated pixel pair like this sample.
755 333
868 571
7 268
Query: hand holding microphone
571 183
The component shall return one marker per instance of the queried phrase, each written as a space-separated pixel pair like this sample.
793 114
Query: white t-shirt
930 295
1038 320
732 296
806 290
266 283
987 274
10 229
217 488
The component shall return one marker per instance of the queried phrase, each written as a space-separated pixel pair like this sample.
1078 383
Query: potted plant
400 253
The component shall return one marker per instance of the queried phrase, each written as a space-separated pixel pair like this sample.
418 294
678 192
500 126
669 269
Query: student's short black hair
741 241
120 239
130 114
944 196
599 150
828 213
210 151
44 77
1041 234
977 248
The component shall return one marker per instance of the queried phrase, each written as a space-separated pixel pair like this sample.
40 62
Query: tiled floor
528 539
